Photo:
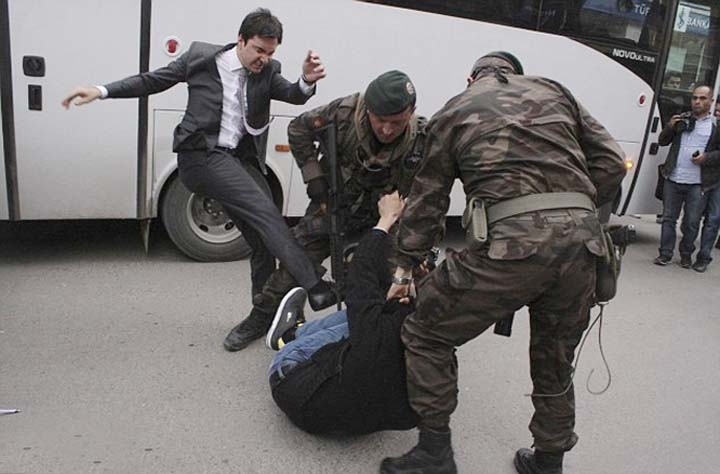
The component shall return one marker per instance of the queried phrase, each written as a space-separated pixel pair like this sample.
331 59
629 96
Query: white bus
113 159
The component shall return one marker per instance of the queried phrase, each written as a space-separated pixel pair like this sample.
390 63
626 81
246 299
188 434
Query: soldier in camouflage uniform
506 136
379 140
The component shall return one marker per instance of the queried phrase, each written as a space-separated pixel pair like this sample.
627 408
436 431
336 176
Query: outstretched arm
81 95
370 269
138 85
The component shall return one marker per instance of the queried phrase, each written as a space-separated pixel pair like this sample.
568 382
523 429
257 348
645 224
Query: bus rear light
172 46
642 99
282 148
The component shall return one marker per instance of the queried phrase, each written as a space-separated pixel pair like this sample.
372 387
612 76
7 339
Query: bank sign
692 19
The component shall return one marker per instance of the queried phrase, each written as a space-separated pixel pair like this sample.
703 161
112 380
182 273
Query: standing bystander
691 170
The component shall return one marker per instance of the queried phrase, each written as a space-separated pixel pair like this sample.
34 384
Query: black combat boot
253 327
538 462
432 455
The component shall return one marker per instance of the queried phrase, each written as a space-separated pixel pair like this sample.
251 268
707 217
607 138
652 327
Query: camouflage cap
390 93
497 58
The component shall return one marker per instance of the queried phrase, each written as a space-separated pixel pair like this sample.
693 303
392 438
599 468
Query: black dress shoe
251 328
700 266
321 296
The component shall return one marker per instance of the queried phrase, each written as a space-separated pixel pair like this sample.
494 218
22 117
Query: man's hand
390 207
698 159
313 69
673 120
84 95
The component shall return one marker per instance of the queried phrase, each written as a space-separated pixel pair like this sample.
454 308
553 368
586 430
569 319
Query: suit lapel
210 63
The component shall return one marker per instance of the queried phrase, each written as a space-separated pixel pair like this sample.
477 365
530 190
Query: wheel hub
208 220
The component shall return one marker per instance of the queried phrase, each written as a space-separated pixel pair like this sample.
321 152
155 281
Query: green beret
390 93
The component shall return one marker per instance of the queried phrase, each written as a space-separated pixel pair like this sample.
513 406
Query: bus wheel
199 227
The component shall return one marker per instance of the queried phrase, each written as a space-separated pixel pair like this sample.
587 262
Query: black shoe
700 266
685 261
432 455
288 315
538 462
251 328
662 260
321 296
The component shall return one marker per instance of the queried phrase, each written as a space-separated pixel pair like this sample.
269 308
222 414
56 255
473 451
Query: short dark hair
701 86
261 23
670 74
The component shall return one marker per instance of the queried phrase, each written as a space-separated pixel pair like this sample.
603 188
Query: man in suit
223 134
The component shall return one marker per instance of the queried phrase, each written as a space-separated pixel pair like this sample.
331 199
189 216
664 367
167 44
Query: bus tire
199 227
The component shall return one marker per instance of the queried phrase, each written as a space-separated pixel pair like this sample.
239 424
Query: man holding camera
692 174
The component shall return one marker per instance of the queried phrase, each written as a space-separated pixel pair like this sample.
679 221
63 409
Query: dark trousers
221 176
711 224
689 199
313 233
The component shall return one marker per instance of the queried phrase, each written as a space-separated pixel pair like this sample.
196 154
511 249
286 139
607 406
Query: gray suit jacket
200 125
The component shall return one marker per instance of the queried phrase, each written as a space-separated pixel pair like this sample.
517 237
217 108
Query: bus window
692 59
629 31
518 13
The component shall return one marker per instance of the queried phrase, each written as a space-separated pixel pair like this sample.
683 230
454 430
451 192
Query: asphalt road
115 359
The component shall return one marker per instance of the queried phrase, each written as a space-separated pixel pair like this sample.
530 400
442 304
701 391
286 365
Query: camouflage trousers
469 292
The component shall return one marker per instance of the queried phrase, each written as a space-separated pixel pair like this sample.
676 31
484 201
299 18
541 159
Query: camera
686 123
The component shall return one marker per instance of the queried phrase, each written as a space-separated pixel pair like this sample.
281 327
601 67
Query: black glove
317 189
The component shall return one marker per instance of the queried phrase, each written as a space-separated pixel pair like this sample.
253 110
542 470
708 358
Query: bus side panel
352 52
79 163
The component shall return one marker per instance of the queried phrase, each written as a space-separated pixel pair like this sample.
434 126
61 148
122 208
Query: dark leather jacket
710 168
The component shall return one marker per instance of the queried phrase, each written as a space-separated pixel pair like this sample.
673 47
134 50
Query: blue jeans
711 224
689 198
308 339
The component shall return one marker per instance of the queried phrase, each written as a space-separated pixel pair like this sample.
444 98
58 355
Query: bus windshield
693 55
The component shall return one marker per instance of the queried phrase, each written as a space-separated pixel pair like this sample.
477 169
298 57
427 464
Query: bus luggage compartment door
80 163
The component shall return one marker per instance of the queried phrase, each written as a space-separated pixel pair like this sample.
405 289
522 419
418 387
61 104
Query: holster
475 222
607 269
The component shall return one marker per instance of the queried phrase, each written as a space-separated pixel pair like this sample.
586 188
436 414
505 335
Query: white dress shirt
233 124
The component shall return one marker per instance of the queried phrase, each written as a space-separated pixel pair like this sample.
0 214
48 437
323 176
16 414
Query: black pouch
607 269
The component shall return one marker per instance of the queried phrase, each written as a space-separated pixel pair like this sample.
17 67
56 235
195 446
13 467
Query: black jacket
200 125
710 168
357 385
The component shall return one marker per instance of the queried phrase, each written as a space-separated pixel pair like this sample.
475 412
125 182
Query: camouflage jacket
368 169
506 140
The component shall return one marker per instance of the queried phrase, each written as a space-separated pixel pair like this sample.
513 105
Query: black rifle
326 137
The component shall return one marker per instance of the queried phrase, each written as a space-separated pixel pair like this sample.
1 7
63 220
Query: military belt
477 218
538 202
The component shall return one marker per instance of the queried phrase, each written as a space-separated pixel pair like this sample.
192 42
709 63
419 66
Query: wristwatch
401 280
